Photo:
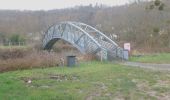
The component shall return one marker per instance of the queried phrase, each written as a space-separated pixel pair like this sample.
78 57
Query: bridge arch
84 37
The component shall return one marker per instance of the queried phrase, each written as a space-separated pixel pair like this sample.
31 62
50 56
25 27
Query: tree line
143 24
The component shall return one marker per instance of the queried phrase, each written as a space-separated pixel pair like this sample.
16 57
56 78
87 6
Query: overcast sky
53 4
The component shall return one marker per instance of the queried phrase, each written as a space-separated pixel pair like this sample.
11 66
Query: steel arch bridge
84 37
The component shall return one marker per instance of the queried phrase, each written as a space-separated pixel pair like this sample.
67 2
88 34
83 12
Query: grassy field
88 81
156 58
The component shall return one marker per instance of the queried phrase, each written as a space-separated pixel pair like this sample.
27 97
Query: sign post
126 51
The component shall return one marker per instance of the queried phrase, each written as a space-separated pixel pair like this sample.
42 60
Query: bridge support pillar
125 54
103 54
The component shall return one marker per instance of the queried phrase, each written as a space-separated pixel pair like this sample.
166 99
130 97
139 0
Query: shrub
161 7
16 38
27 60
9 53
18 59
157 2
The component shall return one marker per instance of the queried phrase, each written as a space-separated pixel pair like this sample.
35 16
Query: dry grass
9 53
88 57
26 58
32 60
18 59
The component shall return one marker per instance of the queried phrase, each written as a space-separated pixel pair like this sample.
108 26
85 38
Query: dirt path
165 67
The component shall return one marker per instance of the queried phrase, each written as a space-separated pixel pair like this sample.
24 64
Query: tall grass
26 58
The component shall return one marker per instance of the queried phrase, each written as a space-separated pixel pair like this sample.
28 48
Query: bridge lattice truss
84 37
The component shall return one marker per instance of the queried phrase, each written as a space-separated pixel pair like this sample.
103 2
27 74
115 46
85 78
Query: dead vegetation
18 59
24 60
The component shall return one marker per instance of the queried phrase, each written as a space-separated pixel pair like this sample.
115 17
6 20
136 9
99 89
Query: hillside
133 23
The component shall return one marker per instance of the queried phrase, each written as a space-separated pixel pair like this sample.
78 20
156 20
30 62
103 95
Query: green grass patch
156 58
14 47
93 80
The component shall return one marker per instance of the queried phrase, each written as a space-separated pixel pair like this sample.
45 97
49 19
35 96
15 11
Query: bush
151 7
16 38
27 58
161 7
157 2
18 59
9 53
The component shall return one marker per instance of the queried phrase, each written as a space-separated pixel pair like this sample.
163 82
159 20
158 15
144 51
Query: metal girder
79 38
82 36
